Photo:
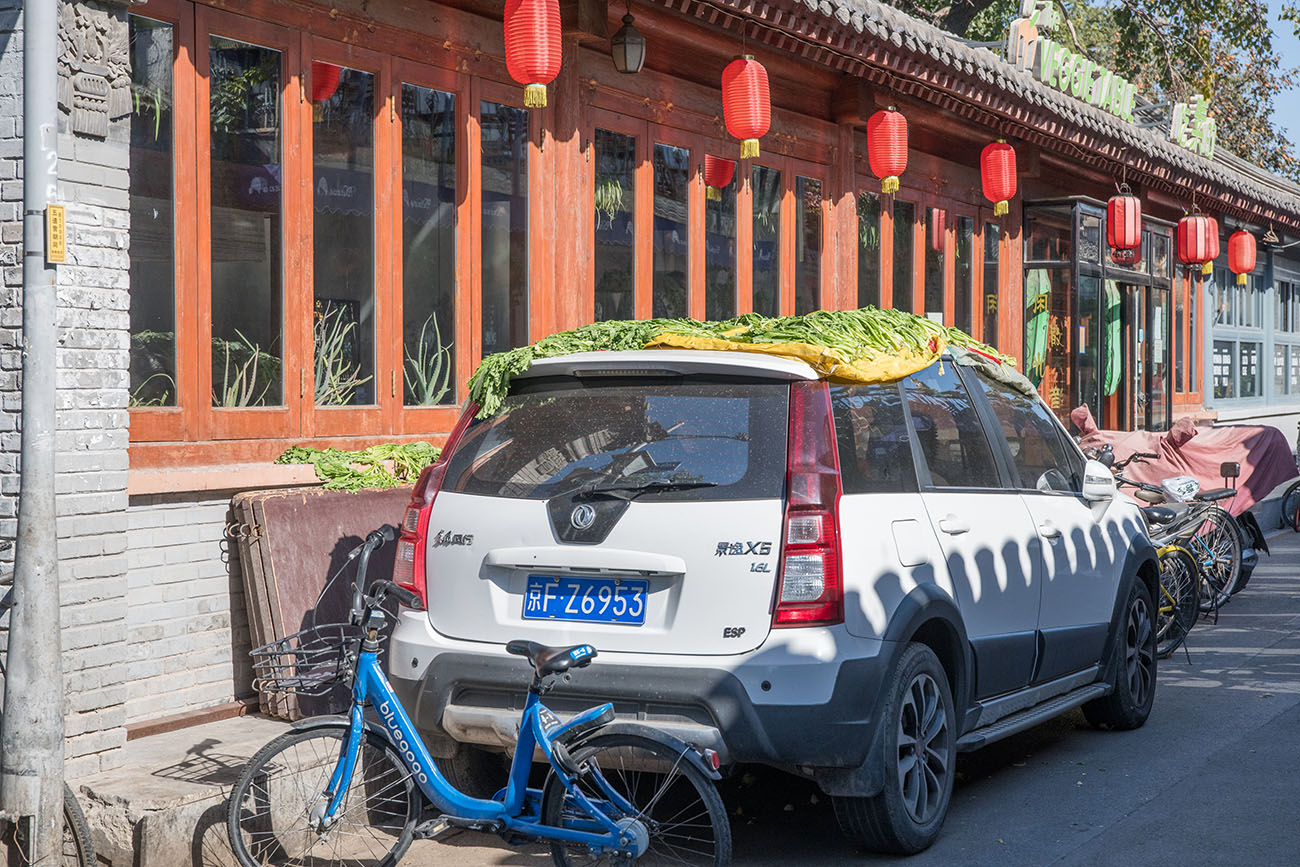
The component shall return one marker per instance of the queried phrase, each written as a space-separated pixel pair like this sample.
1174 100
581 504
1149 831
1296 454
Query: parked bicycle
77 850
357 790
1206 530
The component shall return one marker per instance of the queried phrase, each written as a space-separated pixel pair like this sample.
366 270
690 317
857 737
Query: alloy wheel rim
924 747
1140 655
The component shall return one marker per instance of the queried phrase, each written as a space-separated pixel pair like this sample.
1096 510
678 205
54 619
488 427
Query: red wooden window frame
419 419
179 422
217 423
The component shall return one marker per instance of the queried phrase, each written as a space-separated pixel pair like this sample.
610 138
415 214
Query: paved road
1212 779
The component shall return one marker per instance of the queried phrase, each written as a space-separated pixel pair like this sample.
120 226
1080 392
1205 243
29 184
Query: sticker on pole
56 235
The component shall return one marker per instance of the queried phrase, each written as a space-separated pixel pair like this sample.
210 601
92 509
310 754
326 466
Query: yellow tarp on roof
828 362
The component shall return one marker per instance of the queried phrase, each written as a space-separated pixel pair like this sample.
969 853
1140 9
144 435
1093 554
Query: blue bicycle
357 789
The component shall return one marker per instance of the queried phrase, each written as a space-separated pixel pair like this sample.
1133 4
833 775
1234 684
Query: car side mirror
1098 483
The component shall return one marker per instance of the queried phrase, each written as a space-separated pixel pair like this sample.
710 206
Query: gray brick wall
186 621
92 400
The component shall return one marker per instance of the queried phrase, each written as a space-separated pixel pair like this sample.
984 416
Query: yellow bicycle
1180 601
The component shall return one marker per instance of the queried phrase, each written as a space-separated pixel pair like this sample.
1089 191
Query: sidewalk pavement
166 807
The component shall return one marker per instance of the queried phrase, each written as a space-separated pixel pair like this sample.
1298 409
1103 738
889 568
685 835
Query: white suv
851 582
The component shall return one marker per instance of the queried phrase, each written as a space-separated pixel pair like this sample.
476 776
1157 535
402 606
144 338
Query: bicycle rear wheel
1291 507
677 803
1217 549
270 814
1179 601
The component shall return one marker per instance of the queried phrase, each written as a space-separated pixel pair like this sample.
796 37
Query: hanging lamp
887 147
746 103
533 46
998 175
718 172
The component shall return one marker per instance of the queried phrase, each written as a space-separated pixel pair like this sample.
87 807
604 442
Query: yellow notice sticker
56 234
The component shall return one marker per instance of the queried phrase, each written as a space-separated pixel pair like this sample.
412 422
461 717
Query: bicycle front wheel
676 803
78 849
1179 601
274 810
1291 507
1217 549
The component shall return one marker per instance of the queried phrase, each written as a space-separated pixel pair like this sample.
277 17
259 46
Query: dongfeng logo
583 516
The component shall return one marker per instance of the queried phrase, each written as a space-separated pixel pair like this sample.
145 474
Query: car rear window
558 434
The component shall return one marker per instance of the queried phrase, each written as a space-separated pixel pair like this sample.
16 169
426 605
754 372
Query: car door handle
1048 530
953 526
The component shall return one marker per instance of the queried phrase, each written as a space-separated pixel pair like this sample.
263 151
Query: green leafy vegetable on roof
848 340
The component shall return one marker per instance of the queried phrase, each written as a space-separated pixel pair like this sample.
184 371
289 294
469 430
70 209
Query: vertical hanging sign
56 235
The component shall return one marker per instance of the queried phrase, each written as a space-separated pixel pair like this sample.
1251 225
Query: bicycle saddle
1213 496
1158 515
552 660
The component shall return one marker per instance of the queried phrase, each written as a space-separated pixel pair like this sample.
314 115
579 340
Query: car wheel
1133 662
919 739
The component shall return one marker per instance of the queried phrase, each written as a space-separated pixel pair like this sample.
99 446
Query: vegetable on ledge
387 465
866 345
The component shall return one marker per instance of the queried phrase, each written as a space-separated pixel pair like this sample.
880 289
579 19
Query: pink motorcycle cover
1264 454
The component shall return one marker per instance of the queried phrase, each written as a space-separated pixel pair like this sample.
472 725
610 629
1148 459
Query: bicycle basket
309 662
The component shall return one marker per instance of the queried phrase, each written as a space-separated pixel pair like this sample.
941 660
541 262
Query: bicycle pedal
431 828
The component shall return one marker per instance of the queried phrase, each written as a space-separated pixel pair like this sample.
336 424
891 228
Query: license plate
587 600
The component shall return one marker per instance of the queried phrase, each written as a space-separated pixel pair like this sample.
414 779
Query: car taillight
810 591
409 561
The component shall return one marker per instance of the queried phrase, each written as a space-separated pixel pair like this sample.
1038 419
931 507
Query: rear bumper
470 696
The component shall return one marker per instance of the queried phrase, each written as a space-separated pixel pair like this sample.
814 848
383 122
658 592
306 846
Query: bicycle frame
517 808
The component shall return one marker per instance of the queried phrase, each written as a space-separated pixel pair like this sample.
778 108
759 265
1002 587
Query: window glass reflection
767 241
671 232
615 248
504 226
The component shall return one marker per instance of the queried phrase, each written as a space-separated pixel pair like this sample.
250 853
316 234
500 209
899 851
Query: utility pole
31 736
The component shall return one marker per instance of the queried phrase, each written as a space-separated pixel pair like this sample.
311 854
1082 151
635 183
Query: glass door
1158 366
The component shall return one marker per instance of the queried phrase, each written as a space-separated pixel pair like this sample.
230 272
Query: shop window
1295 371
868 248
1089 352
247 211
1280 369
672 167
1090 241
992 248
904 245
808 277
1160 259
936 252
1179 317
428 246
1047 335
343 234
767 241
615 225
1248 372
1047 235
720 252
1282 308
964 269
948 430
1224 374
504 226
153 231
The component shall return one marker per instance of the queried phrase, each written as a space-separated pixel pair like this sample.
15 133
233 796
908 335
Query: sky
1287 111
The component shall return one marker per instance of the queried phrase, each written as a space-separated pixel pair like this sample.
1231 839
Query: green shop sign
1058 66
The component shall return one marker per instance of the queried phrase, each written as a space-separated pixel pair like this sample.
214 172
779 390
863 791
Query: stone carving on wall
94 71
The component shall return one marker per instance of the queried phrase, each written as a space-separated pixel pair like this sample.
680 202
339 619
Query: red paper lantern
938 219
998 175
533 46
1198 240
1124 221
887 147
746 103
1128 257
324 80
1241 255
718 172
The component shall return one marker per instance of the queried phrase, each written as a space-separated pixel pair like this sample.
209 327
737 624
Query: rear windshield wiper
632 491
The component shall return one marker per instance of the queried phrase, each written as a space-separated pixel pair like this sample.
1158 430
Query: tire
918 723
1291 507
1179 603
1217 549
662 786
377 819
1133 662
78 848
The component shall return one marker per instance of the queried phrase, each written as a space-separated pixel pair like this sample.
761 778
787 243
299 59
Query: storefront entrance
1097 332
